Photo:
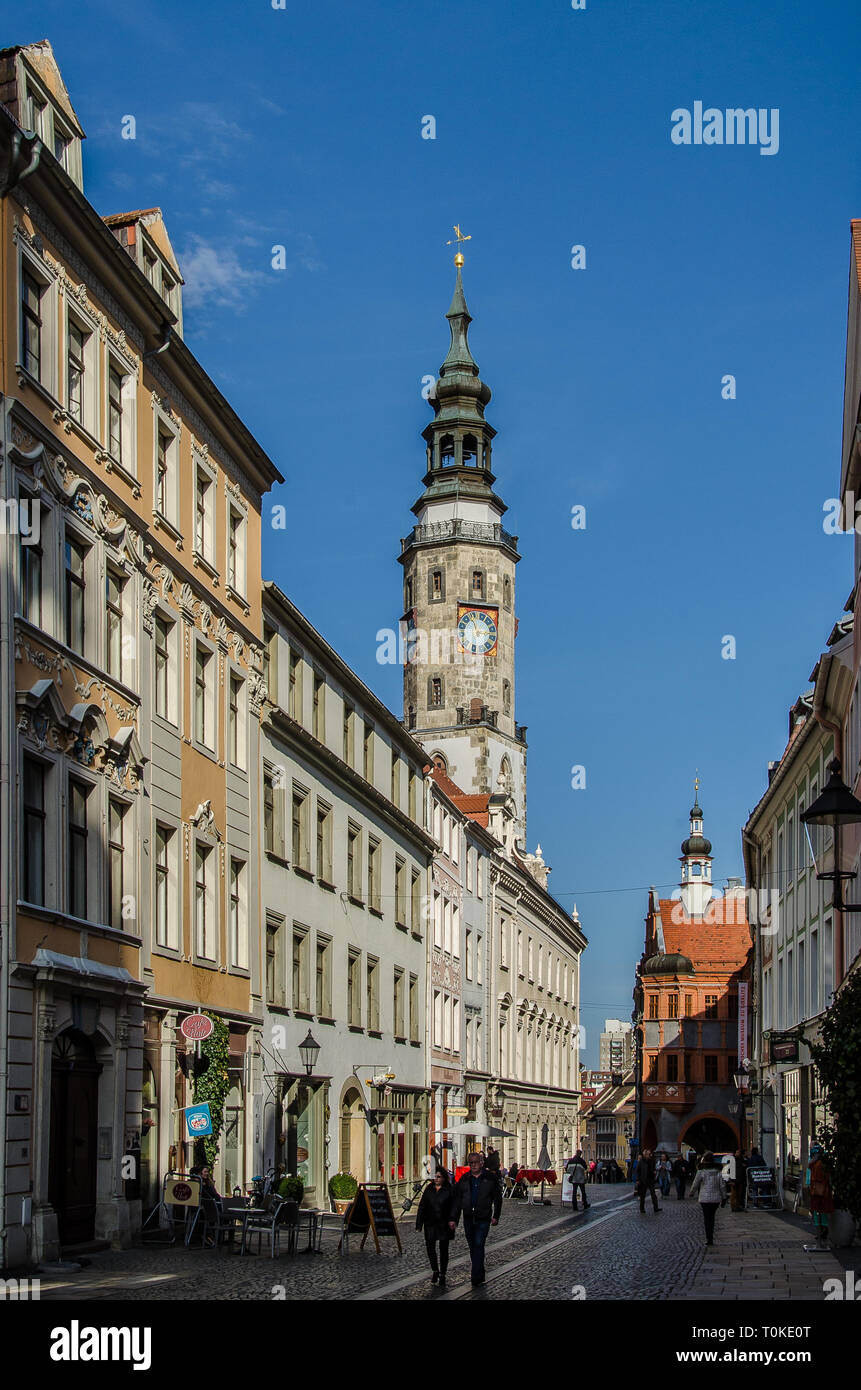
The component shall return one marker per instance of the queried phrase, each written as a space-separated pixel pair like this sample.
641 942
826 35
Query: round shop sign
182 1192
196 1027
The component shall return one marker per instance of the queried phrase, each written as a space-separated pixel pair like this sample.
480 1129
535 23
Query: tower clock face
477 631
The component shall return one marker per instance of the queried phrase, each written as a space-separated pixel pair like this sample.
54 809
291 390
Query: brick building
687 1008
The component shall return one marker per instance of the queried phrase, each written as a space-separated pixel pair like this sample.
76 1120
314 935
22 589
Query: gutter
22 171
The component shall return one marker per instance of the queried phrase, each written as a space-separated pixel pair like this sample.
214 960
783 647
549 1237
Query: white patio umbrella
479 1129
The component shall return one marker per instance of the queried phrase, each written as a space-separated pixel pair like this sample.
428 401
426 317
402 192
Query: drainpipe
837 731
163 345
23 171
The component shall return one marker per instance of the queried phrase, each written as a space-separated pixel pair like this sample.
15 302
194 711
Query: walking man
680 1177
478 1198
644 1177
576 1169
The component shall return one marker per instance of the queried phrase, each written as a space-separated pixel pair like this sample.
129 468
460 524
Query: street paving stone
539 1253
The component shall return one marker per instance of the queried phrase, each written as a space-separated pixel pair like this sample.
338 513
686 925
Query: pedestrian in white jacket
711 1189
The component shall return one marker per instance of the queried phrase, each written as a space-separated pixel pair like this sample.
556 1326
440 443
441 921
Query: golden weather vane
457 239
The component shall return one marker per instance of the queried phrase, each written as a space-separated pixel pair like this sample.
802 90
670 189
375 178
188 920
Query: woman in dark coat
433 1217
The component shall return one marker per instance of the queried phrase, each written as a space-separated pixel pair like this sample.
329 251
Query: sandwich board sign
372 1212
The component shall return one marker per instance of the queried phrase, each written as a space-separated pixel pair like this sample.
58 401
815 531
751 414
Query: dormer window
37 114
61 148
57 131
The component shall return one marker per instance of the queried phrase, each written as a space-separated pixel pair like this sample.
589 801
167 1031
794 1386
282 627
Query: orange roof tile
720 939
471 804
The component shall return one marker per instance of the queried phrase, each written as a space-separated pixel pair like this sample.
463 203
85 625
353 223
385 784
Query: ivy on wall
213 1085
837 1055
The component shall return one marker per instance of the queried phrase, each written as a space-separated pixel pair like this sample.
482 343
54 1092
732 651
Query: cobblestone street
613 1252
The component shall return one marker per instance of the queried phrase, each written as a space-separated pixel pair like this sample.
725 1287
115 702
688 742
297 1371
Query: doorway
710 1133
74 1125
352 1139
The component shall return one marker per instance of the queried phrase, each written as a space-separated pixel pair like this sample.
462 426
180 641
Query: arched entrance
351 1157
650 1135
710 1132
74 1126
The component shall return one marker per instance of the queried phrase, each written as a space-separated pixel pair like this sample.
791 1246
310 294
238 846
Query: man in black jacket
644 1177
478 1196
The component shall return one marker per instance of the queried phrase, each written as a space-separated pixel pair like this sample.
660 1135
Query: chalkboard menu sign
372 1212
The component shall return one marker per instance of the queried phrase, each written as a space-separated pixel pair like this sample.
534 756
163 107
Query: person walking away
821 1194
662 1173
491 1163
709 1186
432 1218
576 1169
680 1177
644 1177
592 1166
478 1198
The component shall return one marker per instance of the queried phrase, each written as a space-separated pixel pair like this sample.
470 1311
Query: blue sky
302 128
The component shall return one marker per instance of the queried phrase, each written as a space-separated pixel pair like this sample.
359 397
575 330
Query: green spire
459 357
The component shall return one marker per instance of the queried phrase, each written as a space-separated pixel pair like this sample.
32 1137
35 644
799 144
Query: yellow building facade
133 676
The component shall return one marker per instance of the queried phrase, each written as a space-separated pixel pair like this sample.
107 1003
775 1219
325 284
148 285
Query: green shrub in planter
291 1187
343 1187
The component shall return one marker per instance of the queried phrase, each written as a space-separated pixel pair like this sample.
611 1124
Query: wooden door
74 1123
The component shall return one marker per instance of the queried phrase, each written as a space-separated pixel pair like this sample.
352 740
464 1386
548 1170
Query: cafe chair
216 1222
280 1214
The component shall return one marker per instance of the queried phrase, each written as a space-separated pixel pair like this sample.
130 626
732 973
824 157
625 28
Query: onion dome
673 963
696 844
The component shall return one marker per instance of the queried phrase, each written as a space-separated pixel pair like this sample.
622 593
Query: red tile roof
720 939
472 805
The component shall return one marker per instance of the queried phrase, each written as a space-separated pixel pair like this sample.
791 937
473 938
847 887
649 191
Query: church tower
696 858
459 591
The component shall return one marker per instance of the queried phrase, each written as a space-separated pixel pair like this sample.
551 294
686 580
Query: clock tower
459 592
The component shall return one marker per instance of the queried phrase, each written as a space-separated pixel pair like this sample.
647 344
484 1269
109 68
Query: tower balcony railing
456 528
482 715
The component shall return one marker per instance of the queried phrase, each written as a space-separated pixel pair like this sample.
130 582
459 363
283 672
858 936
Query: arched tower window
506 592
470 450
436 585
506 697
477 590
435 692
446 449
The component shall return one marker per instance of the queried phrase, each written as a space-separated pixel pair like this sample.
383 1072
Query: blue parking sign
199 1120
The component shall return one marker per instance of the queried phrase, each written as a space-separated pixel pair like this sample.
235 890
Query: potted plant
291 1187
342 1189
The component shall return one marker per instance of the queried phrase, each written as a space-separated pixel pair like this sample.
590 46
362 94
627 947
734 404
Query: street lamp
835 806
309 1051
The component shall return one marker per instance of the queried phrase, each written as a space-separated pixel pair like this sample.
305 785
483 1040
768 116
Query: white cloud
213 274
